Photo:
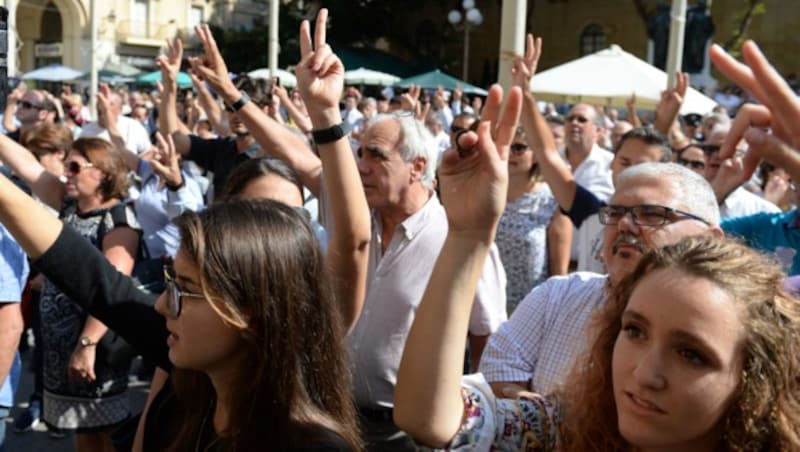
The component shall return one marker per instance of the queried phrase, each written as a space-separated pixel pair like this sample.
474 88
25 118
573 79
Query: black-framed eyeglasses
644 215
519 148
693 164
26 104
75 167
175 294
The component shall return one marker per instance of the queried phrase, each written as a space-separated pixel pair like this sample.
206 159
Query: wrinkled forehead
384 134
583 110
647 189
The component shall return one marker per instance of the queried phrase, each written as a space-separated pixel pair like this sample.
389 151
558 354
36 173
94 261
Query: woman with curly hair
699 348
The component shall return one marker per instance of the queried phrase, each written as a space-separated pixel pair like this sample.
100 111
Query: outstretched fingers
507 126
491 111
780 98
737 72
320 28
305 39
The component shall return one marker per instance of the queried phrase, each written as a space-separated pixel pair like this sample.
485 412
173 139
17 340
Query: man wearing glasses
29 107
654 204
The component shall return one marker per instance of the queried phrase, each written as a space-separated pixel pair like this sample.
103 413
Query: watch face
85 341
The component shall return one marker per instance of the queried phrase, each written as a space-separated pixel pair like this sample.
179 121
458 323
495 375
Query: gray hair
417 141
693 190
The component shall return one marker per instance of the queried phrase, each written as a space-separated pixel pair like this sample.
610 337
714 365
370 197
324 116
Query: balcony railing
132 30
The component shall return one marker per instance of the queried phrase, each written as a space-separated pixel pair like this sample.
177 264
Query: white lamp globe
454 17
474 16
468 4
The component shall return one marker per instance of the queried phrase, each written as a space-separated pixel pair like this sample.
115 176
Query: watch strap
329 135
236 106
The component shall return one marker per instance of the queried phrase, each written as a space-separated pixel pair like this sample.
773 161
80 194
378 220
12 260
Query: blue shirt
13 274
775 233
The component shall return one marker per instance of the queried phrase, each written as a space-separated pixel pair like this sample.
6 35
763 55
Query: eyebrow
376 152
679 336
185 280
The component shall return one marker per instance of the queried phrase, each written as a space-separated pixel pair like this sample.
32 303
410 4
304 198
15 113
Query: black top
218 155
113 298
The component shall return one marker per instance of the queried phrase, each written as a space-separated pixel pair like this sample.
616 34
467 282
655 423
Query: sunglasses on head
75 167
26 104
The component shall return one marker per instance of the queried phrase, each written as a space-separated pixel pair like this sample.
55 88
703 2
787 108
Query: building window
593 39
139 13
195 16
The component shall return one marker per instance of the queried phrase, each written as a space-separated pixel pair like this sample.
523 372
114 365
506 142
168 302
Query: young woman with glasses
84 385
251 328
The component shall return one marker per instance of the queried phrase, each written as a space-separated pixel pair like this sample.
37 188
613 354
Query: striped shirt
547 332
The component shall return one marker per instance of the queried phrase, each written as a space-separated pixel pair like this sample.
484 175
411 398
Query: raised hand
729 177
669 106
458 93
474 177
211 67
106 116
525 67
780 110
165 161
320 73
409 99
17 93
170 63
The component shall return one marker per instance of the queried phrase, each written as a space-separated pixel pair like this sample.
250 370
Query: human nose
363 166
627 223
161 304
649 370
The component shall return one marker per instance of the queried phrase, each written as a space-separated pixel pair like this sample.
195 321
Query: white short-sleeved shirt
137 140
547 332
396 281
741 203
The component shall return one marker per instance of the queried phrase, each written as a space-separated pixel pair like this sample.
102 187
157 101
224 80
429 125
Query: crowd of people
321 270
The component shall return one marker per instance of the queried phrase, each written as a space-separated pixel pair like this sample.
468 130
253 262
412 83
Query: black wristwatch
177 187
236 106
330 134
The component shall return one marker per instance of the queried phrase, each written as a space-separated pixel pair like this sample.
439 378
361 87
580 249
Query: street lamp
472 18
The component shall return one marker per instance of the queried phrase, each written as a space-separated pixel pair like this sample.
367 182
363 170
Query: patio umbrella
110 77
53 73
363 76
437 78
184 81
287 79
609 77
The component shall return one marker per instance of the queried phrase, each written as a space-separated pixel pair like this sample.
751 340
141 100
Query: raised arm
108 120
275 139
210 106
168 122
320 79
633 115
44 184
11 106
474 180
302 121
780 112
669 106
555 172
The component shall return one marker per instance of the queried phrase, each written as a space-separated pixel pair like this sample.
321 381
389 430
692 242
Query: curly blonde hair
765 415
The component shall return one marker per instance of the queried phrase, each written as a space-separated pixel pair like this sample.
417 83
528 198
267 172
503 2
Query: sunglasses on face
75 167
174 293
579 118
710 148
26 104
644 215
693 164
519 148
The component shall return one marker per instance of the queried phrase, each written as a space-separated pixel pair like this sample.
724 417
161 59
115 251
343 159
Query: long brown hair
263 271
765 415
